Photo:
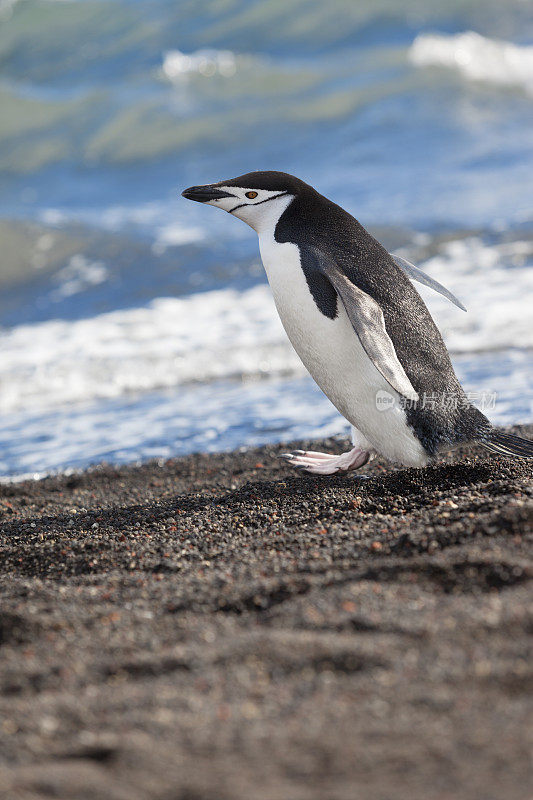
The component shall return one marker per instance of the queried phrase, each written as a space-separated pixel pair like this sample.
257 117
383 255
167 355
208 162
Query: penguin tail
507 444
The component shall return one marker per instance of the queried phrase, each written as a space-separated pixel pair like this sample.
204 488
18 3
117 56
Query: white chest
328 347
310 332
333 354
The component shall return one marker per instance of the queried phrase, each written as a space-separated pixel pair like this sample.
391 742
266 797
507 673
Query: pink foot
325 464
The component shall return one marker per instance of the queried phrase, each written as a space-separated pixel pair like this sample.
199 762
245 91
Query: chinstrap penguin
359 326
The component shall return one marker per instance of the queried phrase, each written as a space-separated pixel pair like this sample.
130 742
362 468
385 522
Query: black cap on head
270 180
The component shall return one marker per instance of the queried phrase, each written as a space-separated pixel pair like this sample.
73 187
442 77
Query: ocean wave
476 57
172 341
111 218
155 219
227 334
494 280
221 416
165 424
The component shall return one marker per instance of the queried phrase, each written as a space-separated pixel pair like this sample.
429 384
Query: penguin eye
251 195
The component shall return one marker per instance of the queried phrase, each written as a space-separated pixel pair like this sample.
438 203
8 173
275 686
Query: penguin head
258 198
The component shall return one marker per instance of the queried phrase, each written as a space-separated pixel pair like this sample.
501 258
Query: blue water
103 122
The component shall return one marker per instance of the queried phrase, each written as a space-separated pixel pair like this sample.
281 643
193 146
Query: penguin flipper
368 323
419 275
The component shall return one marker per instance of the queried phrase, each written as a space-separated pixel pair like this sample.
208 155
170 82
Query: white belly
331 351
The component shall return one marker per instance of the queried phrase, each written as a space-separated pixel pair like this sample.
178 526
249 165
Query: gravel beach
219 627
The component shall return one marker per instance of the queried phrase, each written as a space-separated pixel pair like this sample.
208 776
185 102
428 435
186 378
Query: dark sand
221 628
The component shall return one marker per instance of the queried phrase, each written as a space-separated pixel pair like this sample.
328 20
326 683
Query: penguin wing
418 275
368 323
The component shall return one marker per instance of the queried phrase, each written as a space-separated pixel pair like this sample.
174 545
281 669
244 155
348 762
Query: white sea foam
218 417
495 282
156 381
476 57
226 334
112 218
161 220
172 341
164 424
174 234
79 274
178 65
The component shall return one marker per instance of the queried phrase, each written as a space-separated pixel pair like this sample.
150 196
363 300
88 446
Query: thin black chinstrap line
266 200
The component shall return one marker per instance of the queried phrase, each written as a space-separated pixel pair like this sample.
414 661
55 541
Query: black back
443 415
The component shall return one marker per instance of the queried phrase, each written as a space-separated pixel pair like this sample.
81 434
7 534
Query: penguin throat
263 216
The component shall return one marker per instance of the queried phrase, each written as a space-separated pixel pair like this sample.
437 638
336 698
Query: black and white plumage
358 324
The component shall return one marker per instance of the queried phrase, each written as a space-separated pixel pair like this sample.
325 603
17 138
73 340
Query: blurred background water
137 325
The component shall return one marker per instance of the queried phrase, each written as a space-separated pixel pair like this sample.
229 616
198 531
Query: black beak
203 194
